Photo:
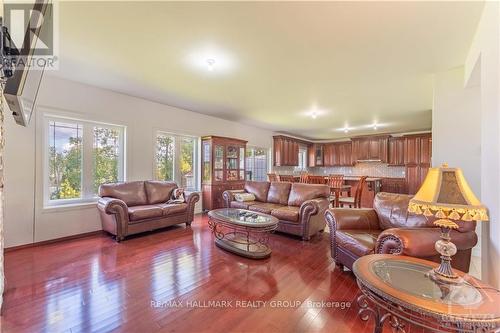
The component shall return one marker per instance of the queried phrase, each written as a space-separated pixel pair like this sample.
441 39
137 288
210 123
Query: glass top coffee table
242 232
397 289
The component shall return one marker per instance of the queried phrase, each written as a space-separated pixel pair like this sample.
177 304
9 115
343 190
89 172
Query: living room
300 97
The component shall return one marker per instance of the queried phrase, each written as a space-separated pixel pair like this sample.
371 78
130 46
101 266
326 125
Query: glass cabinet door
218 163
242 163
207 155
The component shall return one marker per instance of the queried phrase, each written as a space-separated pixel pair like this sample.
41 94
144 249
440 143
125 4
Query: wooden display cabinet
222 168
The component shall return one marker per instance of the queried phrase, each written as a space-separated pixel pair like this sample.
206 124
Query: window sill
69 207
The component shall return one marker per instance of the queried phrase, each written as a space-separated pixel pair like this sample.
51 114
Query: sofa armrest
191 199
114 216
228 196
352 219
110 205
311 214
419 242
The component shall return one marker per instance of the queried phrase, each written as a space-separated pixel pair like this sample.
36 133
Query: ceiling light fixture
346 129
211 64
375 126
314 115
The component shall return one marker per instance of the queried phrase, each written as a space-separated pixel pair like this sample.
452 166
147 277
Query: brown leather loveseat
133 207
389 228
299 207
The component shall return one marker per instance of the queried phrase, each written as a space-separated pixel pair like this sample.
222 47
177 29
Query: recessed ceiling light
374 126
346 130
314 114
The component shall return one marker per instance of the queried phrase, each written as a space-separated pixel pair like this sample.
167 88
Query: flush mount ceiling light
211 59
210 64
314 112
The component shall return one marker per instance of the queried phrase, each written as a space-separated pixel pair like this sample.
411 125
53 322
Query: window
81 156
256 164
176 159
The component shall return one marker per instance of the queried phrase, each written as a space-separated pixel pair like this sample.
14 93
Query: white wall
456 128
484 56
26 219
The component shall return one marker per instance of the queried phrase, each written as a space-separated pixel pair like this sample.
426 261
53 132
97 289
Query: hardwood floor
94 284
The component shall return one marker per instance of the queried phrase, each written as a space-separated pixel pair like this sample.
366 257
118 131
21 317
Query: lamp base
444 273
434 275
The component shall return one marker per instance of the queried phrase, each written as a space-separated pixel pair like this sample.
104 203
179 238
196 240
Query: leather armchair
388 228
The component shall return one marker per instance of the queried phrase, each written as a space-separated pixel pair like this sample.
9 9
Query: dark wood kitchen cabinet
394 185
286 151
417 158
370 148
316 155
338 154
396 151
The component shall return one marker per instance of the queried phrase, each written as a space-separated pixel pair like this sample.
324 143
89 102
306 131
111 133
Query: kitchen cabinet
316 155
286 151
396 151
394 185
417 158
371 148
338 154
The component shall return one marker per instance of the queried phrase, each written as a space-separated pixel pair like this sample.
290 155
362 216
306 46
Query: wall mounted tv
23 80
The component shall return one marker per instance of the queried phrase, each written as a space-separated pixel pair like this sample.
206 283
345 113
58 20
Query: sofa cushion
172 209
264 207
259 189
278 192
288 213
242 205
358 242
159 191
132 193
303 192
143 212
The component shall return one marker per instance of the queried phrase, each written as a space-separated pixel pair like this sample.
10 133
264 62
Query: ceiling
357 63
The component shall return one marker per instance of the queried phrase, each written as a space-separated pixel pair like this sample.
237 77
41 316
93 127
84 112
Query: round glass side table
397 290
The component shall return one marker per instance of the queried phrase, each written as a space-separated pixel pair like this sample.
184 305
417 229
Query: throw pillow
177 196
242 197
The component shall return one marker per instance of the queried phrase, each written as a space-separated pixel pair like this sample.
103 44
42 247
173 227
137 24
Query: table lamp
445 194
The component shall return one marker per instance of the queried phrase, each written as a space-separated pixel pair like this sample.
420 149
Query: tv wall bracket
8 53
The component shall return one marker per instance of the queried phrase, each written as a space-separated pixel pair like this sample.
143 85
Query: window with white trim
79 157
256 163
176 159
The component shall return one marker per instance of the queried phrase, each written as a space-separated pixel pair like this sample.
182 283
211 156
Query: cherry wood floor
94 284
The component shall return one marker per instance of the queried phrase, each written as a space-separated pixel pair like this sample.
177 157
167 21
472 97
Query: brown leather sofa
299 207
389 228
133 207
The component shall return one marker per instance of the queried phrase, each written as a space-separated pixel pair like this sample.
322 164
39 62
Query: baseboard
56 240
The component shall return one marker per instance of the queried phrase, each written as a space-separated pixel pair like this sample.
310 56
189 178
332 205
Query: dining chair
303 178
355 201
272 177
287 178
316 179
335 182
